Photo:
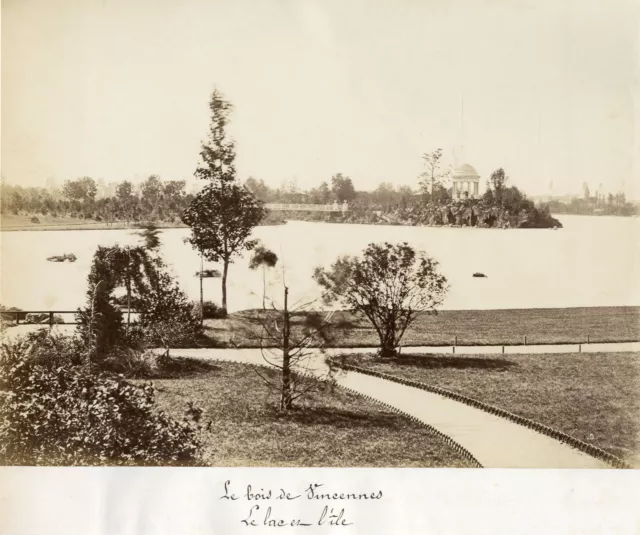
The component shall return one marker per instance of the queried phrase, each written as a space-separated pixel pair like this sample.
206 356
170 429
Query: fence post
503 350
454 349
588 339
50 320
579 348
17 317
525 339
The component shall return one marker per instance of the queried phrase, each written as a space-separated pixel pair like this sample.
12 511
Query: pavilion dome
465 172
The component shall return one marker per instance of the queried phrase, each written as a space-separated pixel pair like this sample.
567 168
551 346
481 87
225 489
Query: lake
592 261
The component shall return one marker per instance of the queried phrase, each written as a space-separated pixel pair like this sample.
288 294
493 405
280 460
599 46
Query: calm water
592 261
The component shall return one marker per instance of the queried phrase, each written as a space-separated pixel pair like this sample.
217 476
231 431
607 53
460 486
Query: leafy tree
433 176
124 191
488 194
100 322
173 188
405 194
342 188
324 192
135 270
218 154
83 189
258 188
389 284
223 214
222 217
266 258
151 188
125 199
384 194
498 182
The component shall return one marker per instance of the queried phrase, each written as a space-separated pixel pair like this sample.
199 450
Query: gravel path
494 441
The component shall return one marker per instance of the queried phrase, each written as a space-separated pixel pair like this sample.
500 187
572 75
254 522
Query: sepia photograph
302 234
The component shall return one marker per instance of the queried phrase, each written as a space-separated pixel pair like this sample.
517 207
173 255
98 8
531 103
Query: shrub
57 413
210 310
34 219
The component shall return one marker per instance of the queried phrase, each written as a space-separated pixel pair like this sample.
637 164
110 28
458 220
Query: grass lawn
591 396
471 327
48 222
329 429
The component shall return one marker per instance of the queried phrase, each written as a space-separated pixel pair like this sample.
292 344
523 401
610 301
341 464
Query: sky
118 89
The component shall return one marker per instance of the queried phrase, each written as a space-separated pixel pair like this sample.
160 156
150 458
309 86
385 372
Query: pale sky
118 89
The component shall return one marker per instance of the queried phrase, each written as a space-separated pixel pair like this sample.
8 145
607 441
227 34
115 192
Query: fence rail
22 317
307 207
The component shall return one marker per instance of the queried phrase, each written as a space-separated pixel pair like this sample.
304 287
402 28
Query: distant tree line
597 204
153 200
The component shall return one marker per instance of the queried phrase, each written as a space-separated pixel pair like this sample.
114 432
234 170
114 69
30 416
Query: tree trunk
225 270
201 292
128 289
128 306
264 287
285 400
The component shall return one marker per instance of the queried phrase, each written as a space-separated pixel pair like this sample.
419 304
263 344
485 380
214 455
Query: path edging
446 438
578 444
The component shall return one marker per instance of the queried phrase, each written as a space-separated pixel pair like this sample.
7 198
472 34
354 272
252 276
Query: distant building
465 182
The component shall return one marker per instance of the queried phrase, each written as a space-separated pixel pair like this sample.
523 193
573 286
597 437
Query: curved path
494 441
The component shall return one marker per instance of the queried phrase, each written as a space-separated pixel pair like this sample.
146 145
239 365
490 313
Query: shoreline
35 227
461 328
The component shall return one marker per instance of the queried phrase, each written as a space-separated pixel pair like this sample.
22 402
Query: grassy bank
23 222
332 429
593 397
9 222
470 327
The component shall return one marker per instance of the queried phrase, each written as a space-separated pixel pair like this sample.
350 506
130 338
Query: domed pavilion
465 182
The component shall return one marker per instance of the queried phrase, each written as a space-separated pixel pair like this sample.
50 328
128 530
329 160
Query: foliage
389 284
164 312
342 188
210 310
599 204
262 257
83 189
289 351
224 213
218 154
100 322
266 258
498 181
209 273
222 217
117 202
433 176
55 412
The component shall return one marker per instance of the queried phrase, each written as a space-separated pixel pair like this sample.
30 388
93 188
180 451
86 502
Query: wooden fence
21 317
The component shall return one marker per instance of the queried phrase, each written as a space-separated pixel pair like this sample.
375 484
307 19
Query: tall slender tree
223 214
433 175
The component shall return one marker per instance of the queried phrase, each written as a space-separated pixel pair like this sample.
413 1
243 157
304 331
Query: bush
34 219
58 413
210 309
